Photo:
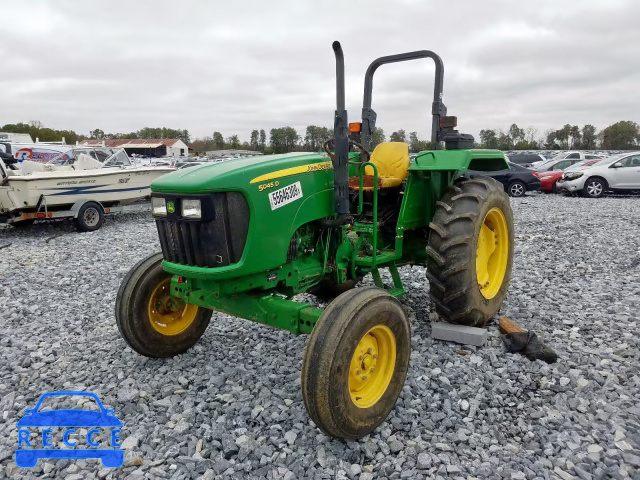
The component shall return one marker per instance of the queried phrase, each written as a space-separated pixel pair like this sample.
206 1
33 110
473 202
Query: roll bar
437 108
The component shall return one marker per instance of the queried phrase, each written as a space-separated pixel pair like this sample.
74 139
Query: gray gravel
232 407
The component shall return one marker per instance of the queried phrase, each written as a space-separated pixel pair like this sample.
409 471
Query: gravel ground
232 406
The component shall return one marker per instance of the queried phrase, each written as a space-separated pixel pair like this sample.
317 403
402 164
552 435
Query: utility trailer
88 215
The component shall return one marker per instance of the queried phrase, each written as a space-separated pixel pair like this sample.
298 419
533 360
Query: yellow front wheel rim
492 254
169 315
372 366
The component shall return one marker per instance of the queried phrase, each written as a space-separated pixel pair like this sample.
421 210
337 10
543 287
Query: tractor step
385 256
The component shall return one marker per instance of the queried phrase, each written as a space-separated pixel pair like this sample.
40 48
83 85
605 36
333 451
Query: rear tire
356 363
90 217
595 187
517 189
470 251
153 323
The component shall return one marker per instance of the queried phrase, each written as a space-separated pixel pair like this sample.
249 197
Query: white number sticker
285 195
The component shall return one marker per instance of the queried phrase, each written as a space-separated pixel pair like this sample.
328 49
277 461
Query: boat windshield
108 157
118 158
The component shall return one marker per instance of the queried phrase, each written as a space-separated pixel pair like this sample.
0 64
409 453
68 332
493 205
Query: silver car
619 173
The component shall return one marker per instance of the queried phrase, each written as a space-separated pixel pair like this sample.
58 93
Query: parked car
517 180
574 156
525 159
549 179
619 173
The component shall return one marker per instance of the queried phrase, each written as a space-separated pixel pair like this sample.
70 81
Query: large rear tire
356 362
470 251
150 320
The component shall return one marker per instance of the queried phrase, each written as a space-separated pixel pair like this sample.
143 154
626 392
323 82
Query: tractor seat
392 161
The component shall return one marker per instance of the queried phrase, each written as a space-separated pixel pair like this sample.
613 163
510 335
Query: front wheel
154 323
470 251
356 362
594 188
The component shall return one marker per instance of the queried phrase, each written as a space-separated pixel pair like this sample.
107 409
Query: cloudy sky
234 66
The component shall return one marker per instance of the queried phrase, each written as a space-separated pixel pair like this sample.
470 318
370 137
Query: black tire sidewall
132 313
452 249
591 180
346 412
517 182
325 374
491 306
79 220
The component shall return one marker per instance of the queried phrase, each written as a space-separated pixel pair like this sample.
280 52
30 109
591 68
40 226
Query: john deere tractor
246 236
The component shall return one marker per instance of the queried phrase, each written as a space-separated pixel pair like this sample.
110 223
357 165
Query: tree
504 141
624 135
377 137
399 136
516 134
488 138
255 142
413 141
218 140
589 137
315 137
97 134
233 142
576 138
562 136
263 139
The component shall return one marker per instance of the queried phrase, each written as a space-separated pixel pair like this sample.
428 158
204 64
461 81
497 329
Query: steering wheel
329 145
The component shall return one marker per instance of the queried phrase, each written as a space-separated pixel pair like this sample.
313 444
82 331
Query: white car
619 173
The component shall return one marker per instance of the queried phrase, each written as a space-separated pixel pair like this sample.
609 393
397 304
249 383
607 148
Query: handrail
374 233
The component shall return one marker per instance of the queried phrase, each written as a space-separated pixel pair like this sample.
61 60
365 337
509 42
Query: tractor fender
461 160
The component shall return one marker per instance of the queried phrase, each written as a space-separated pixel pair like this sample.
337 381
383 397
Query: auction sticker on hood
285 195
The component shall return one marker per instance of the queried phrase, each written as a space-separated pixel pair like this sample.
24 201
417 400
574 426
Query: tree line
623 135
287 139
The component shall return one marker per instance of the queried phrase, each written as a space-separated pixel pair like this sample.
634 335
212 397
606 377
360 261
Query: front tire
150 320
470 251
356 363
595 187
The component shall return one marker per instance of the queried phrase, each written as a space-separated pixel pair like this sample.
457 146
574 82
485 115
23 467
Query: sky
236 66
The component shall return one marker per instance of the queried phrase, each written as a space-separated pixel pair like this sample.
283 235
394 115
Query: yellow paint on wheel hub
169 315
492 254
372 366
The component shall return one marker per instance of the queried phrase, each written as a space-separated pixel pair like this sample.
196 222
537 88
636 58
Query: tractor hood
240 173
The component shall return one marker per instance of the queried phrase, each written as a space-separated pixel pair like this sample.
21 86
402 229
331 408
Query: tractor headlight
158 207
191 208
572 176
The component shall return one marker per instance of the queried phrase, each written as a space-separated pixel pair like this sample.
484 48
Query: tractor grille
217 240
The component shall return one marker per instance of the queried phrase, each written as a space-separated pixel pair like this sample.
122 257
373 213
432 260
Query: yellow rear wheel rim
169 315
372 366
492 254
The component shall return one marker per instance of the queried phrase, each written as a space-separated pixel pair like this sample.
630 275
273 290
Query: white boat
77 176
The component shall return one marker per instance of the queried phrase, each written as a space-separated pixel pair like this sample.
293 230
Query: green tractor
246 236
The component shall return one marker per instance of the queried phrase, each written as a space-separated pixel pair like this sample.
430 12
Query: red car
549 178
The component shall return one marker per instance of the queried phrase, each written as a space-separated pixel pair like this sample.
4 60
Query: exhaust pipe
341 137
